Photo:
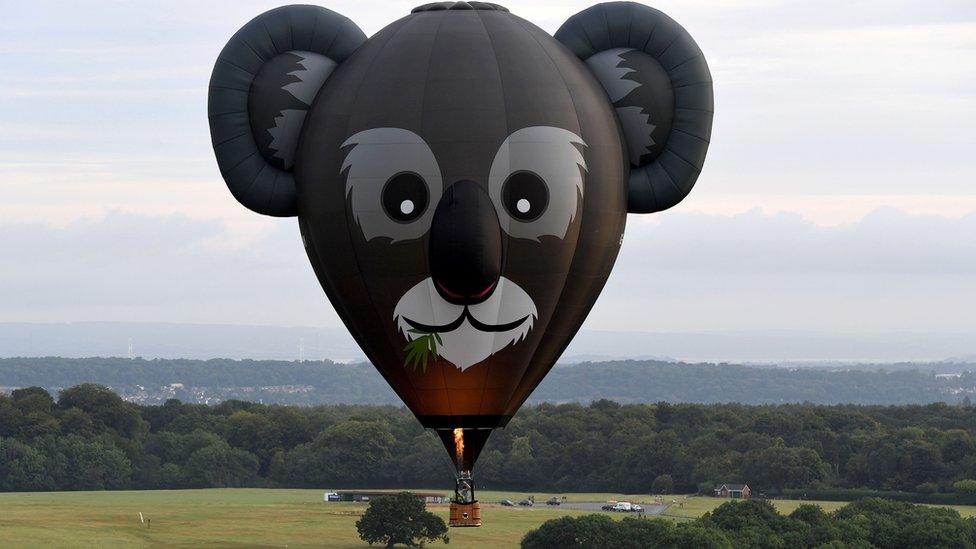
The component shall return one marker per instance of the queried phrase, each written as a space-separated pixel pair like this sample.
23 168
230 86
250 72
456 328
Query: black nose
465 245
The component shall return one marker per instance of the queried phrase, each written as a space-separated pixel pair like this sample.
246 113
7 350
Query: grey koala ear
660 86
261 88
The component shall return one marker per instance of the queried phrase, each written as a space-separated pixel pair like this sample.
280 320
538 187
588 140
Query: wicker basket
465 514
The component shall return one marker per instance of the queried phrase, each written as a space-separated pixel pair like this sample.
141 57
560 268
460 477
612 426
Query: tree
629 533
898 524
32 399
402 518
780 466
254 433
105 408
751 523
350 453
520 464
220 465
663 484
965 486
21 467
78 463
864 524
74 421
957 445
811 514
700 537
584 531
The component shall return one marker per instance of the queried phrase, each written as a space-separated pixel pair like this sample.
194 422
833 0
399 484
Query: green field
694 507
233 517
257 517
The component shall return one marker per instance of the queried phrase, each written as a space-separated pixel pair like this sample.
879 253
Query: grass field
270 518
233 517
694 507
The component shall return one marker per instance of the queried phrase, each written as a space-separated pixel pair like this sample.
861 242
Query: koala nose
465 245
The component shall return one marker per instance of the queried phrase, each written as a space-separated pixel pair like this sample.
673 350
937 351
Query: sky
839 192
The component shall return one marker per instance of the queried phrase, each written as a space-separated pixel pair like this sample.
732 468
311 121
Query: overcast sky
839 192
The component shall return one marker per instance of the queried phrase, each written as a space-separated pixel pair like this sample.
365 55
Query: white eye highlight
392 181
536 181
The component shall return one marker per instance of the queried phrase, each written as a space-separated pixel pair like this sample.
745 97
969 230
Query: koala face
461 178
449 184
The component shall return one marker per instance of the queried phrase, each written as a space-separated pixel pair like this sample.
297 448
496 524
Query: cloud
890 271
169 268
812 97
828 108
885 242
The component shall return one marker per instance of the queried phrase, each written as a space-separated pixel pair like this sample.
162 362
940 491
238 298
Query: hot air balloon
461 181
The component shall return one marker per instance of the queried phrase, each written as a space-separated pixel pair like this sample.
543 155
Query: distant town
150 382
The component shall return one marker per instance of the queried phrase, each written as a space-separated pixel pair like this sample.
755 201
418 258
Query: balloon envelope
461 178
462 196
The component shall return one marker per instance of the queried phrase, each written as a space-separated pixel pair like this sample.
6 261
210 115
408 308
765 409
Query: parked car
636 508
622 507
507 503
608 507
553 501
525 503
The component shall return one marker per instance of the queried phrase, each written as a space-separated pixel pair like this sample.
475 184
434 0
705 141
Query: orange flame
459 446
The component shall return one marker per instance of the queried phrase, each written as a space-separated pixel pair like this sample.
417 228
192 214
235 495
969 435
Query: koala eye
405 197
536 181
392 178
525 196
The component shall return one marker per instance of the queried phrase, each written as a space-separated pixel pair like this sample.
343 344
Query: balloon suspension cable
464 486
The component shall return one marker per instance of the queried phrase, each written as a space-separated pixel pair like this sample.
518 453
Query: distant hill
325 382
206 341
166 340
634 381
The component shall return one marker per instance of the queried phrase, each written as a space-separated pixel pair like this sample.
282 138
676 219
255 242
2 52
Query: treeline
324 382
316 382
756 523
89 438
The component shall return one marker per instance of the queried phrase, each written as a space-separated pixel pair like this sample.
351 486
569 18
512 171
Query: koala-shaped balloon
461 178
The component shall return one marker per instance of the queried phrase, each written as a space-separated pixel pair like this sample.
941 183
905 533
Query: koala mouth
475 323
469 333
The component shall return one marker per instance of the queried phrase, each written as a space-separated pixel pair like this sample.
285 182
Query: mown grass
271 518
688 508
233 517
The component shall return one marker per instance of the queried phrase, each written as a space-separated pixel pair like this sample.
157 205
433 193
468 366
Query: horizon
201 341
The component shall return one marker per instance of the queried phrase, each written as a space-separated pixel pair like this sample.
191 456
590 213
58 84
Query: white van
622 506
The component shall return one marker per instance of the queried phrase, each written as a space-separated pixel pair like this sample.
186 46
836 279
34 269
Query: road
649 508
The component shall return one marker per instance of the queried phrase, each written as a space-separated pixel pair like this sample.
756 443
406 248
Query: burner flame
459 446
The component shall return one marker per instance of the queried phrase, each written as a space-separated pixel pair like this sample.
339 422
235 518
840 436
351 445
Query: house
734 491
365 495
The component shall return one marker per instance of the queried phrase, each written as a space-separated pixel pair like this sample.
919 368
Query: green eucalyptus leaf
420 350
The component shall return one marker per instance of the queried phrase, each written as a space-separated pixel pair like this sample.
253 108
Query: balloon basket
465 515
465 510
